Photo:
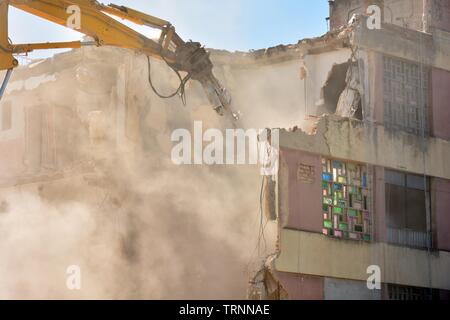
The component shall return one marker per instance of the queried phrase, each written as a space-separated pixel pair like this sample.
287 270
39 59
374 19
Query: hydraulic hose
5 83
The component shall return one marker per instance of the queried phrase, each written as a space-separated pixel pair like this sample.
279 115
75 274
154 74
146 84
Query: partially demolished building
367 194
363 183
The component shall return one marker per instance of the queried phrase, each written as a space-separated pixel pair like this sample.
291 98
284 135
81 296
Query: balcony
408 238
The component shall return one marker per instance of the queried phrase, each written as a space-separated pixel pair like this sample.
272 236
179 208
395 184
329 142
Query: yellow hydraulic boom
95 21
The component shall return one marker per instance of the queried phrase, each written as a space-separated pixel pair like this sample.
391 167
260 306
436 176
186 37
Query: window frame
346 200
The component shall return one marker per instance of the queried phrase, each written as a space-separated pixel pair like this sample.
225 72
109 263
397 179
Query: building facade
369 191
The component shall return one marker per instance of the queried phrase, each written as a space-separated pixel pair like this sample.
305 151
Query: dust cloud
104 195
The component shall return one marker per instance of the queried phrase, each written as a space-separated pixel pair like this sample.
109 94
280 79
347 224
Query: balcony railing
408 238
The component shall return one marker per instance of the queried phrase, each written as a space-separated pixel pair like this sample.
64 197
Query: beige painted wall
316 254
351 139
415 46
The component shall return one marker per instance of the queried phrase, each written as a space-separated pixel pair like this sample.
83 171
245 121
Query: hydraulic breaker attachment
192 58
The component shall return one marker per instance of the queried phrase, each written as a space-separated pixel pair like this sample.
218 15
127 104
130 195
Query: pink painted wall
440 189
301 287
376 84
440 101
440 14
305 198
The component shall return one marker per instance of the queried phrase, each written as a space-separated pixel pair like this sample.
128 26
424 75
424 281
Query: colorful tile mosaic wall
345 203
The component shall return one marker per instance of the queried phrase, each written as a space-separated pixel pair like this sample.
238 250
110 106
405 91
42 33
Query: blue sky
221 24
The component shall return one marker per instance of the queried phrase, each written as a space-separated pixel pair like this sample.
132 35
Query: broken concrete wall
320 67
90 158
265 285
315 70
372 144
259 84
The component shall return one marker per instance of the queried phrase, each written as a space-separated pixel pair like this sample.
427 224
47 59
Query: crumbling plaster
319 67
373 144
99 139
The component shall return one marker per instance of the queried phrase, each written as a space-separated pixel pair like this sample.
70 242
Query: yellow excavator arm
96 22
